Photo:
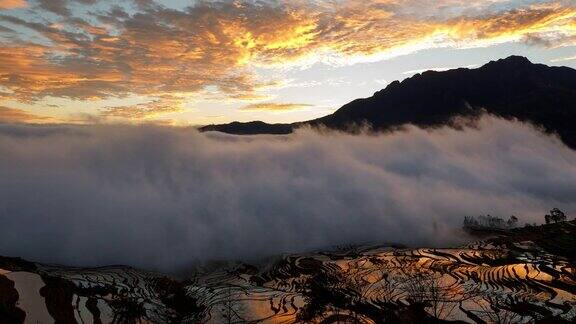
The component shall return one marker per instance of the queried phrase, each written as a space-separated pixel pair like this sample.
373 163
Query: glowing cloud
143 110
12 4
13 115
151 50
271 106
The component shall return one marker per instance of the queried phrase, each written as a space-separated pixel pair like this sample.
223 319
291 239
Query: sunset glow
198 62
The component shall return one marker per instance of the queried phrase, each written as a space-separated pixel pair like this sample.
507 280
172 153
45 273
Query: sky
186 62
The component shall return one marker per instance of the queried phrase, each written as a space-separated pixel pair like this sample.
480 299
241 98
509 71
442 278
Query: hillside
510 88
525 275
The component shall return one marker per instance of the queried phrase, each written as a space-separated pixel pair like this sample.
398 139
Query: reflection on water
31 302
504 280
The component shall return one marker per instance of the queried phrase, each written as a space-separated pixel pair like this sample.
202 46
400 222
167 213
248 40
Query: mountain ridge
511 88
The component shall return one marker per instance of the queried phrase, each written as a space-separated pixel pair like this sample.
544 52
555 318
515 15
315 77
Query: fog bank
162 197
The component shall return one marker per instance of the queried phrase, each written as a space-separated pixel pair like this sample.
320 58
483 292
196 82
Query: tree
232 307
127 310
547 218
496 308
512 221
556 215
489 222
435 292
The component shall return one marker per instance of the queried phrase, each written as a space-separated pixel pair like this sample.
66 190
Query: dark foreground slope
511 88
524 276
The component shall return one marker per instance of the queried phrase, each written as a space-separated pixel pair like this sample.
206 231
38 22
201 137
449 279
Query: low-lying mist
162 197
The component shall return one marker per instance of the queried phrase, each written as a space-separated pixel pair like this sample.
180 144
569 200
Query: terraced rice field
525 276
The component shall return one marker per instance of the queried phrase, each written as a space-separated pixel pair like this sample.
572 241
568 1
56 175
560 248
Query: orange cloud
143 111
513 23
271 106
162 51
12 4
13 115
368 28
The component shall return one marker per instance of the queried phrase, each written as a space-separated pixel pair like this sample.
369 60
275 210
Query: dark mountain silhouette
510 88
250 128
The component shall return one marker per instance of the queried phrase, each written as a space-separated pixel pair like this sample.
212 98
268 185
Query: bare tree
373 278
433 290
232 307
496 308
127 310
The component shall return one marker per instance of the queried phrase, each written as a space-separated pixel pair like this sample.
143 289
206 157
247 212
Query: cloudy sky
187 62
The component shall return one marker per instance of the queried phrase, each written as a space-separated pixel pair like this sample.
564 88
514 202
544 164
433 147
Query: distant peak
511 60
516 58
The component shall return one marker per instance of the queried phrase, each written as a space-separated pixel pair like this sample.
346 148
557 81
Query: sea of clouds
165 197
